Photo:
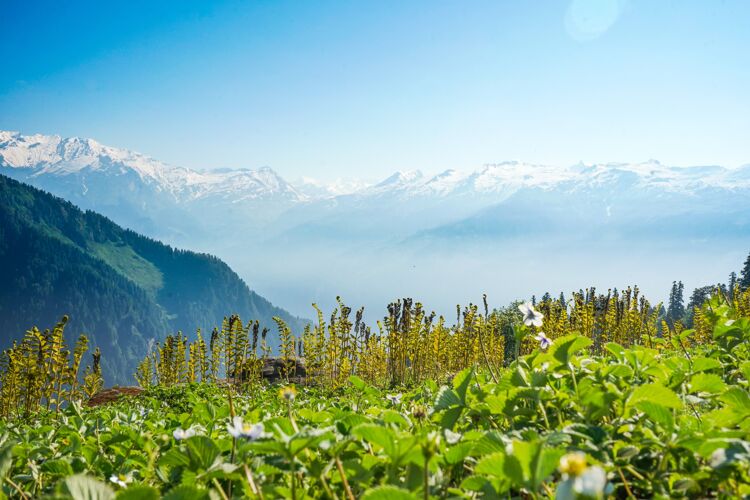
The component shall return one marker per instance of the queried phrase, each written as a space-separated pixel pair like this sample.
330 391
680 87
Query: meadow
601 396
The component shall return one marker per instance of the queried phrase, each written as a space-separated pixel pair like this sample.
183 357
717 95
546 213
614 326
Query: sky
360 89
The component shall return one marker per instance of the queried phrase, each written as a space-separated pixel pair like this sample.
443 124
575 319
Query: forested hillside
122 289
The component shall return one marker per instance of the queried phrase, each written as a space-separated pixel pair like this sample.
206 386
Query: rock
274 369
106 396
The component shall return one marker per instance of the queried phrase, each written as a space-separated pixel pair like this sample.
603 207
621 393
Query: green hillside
122 289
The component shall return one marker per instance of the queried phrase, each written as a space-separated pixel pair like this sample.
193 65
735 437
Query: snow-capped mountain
173 203
37 156
182 205
508 177
309 240
42 155
317 189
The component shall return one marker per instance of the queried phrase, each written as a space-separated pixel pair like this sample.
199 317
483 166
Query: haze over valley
509 229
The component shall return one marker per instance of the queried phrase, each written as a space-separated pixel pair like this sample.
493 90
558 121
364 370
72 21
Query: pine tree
732 283
676 309
745 276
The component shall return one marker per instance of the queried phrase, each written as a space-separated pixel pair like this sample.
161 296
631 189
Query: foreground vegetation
570 416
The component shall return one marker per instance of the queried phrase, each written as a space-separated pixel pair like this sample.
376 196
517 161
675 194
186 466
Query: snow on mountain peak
402 178
54 155
316 189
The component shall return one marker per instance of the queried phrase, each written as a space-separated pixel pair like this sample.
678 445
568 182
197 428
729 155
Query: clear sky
328 89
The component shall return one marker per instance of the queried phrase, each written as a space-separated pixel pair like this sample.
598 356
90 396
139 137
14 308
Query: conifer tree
732 284
745 276
676 309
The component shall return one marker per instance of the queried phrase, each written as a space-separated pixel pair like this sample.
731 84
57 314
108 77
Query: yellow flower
573 464
288 393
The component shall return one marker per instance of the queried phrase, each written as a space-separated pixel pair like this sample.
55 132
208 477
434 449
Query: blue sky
328 89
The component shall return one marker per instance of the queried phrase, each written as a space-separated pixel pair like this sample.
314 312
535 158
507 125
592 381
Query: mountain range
123 290
312 238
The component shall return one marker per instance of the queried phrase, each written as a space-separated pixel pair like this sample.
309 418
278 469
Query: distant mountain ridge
53 155
37 156
122 289
313 237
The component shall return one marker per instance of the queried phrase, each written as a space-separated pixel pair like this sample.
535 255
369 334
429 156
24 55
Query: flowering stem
17 488
625 483
426 477
251 482
575 383
548 490
221 490
234 440
293 479
347 489
544 413
291 418
330 492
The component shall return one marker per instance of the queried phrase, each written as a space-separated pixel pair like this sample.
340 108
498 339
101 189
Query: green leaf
616 350
186 492
377 435
203 451
491 442
565 347
174 457
684 484
658 413
57 467
705 364
737 399
461 382
492 465
450 417
474 483
357 382
525 453
306 438
446 398
83 487
546 463
138 492
6 459
394 417
657 394
458 452
514 471
707 382
387 493
496 403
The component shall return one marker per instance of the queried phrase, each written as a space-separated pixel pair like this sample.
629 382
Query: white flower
395 399
591 483
530 315
240 429
122 480
718 458
573 464
452 437
580 481
544 341
180 433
